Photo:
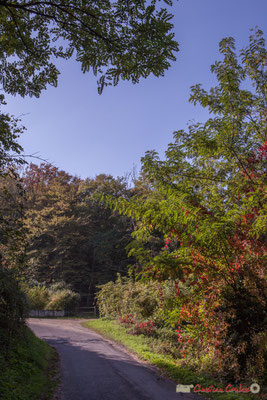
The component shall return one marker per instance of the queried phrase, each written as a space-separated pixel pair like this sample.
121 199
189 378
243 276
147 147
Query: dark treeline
71 237
53 229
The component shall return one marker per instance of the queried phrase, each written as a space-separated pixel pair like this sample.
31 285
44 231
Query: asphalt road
94 368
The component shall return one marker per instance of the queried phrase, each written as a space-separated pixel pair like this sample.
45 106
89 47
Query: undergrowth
155 351
28 372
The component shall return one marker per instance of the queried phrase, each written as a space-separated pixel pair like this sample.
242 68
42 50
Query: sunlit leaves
207 201
117 40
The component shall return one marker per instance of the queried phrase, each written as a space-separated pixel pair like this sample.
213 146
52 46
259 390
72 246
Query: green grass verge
73 317
30 370
140 346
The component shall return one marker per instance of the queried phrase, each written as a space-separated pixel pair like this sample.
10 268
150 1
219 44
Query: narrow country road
94 368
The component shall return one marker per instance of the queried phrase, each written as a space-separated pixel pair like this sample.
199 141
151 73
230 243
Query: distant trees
71 237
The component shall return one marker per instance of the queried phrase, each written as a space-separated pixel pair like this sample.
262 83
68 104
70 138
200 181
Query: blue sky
86 134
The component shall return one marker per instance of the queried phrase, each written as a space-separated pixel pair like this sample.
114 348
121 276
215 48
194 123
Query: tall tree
208 199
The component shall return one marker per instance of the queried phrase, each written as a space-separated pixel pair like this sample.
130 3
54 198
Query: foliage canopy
207 200
126 40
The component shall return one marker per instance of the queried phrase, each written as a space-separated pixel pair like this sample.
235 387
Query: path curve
94 368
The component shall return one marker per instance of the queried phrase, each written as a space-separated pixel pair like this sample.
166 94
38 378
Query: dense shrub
146 328
153 309
125 296
13 309
38 296
63 299
56 296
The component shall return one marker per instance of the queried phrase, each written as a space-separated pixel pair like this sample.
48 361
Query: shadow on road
94 369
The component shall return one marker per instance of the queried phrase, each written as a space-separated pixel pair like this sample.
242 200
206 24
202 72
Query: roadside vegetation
200 234
152 350
134 315
30 369
28 365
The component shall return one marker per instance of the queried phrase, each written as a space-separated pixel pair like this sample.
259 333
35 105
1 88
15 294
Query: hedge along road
94 368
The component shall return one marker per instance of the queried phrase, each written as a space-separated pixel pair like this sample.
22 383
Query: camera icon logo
184 388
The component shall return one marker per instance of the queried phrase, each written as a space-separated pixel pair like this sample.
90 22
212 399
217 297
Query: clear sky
86 134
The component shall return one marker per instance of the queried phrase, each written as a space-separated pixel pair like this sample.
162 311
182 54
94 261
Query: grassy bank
29 372
142 346
76 317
